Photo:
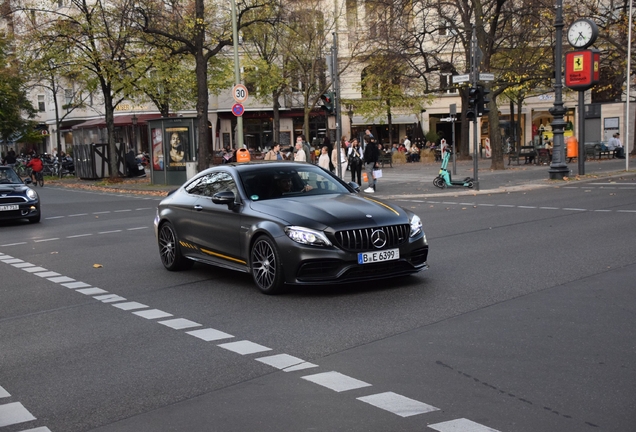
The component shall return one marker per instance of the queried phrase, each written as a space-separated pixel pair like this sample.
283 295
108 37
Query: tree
200 30
15 105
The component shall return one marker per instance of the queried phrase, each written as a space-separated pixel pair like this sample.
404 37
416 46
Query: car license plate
379 256
9 207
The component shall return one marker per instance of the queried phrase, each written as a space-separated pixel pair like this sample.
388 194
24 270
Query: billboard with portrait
177 148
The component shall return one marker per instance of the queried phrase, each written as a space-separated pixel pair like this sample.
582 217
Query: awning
121 120
395 119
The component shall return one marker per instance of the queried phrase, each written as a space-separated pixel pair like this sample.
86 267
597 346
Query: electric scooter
444 180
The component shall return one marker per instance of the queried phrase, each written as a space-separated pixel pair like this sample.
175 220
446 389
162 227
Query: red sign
581 69
238 109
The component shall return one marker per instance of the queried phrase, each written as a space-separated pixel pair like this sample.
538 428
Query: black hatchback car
287 223
17 199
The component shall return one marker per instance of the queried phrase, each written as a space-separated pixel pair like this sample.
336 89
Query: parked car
287 223
17 199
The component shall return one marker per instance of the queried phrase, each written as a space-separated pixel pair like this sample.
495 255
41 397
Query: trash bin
191 169
243 155
572 148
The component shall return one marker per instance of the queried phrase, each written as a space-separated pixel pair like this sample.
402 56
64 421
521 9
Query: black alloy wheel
169 250
266 266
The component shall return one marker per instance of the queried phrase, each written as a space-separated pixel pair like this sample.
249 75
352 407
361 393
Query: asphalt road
524 323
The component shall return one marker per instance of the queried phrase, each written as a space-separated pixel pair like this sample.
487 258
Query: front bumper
26 210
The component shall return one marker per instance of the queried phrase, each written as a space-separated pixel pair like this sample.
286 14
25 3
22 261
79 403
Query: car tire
169 250
35 219
266 266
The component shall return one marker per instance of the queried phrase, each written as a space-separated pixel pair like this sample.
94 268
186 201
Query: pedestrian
355 161
323 160
407 143
370 162
618 146
300 155
274 153
339 156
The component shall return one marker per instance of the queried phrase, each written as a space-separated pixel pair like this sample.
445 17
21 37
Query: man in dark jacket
370 161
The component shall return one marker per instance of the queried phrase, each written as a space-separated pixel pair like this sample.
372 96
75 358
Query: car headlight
416 225
307 236
31 194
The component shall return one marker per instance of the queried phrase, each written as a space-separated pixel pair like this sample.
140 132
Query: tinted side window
212 183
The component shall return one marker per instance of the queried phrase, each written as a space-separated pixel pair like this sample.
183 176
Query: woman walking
338 155
355 161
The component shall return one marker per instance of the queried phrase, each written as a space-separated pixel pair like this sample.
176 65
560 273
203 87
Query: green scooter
444 180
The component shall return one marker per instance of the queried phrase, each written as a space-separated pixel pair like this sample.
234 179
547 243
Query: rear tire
40 178
169 250
267 270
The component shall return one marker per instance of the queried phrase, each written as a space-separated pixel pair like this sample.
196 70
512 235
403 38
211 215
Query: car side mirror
226 197
355 186
27 180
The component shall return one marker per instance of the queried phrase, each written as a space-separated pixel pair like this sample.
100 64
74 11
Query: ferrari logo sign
581 69
578 63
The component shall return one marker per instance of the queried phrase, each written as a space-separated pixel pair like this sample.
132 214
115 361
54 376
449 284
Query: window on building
41 105
68 98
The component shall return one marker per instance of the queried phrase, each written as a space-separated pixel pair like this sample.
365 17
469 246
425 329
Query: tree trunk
496 149
110 127
276 119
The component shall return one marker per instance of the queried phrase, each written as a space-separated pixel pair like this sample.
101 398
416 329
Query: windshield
280 182
8 176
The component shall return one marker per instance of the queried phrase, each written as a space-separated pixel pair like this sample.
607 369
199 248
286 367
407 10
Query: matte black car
17 200
287 223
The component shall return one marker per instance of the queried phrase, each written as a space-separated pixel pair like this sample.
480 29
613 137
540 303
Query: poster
157 149
177 147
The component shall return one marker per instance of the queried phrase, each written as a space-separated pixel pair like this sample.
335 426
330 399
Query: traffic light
482 101
473 97
328 103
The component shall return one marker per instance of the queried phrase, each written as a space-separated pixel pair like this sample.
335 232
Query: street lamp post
558 169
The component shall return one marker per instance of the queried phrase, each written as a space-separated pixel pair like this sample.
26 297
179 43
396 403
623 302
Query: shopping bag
365 178
377 174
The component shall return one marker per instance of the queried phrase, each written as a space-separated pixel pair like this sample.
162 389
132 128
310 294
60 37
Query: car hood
338 211
13 189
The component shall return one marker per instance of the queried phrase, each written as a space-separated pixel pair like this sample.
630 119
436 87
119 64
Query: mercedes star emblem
378 238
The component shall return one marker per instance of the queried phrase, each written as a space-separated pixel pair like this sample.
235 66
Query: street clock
582 33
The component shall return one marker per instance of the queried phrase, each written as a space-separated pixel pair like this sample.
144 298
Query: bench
385 158
523 152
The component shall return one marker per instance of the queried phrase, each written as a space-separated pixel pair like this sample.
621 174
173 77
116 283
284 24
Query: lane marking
91 291
101 212
302 366
34 269
122 211
78 235
13 261
46 274
137 228
209 334
244 347
54 217
398 404
281 361
179 323
74 285
130 306
461 425
152 314
23 265
574 209
14 413
109 232
61 279
336 381
46 240
38 429
110 298
4 393
78 214
13 244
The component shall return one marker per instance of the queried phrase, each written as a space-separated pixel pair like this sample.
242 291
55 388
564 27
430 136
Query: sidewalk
415 179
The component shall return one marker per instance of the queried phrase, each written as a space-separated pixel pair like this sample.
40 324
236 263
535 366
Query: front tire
266 266
169 250
439 182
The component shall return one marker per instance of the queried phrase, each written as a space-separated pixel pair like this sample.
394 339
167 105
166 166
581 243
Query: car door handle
198 207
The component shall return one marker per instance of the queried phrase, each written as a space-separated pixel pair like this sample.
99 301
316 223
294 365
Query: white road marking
130 306
109 232
13 261
144 208
209 334
78 214
152 314
281 361
47 274
38 429
5 257
602 210
180 323
34 269
102 212
109 298
75 285
122 211
91 291
244 347
138 228
574 209
397 404
61 279
549 208
23 265
78 235
14 413
528 207
55 217
506 205
461 425
302 366
626 211
336 381
46 240
4 393
13 244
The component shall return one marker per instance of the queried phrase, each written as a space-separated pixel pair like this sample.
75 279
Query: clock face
582 33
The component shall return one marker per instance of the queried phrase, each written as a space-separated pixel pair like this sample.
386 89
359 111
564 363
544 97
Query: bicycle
39 178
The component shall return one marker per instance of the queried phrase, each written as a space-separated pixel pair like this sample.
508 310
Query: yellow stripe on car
383 205
218 255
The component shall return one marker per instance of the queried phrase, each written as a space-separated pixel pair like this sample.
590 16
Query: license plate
9 207
379 256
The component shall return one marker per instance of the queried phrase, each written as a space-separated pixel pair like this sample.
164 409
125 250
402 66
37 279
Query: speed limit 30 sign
240 93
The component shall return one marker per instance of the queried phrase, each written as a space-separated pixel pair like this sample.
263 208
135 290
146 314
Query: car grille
12 200
360 239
